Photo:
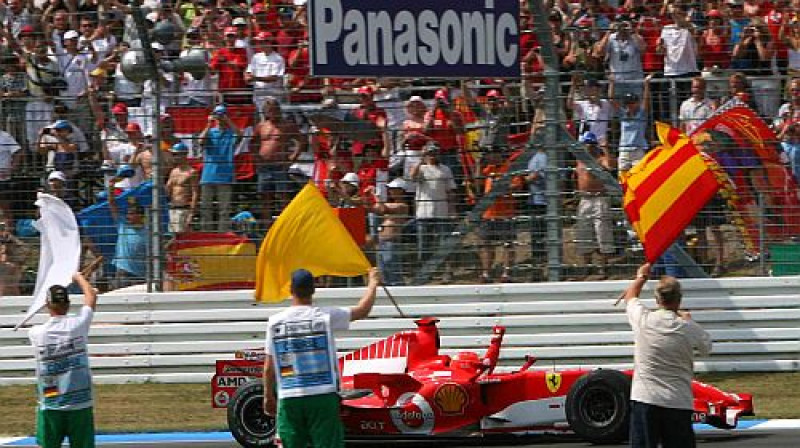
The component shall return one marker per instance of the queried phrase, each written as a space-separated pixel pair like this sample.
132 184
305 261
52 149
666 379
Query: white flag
60 252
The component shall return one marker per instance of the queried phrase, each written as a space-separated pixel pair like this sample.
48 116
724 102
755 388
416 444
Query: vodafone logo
414 416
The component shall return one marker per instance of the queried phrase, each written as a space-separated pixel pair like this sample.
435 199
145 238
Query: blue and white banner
412 38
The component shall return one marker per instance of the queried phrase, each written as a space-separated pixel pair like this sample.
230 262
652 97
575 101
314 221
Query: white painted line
778 424
6 440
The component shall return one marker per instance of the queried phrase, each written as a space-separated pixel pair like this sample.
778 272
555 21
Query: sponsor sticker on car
231 381
451 398
553 381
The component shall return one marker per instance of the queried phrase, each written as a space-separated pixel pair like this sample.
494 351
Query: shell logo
451 399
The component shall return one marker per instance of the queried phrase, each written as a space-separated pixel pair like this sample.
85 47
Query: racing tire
248 423
598 407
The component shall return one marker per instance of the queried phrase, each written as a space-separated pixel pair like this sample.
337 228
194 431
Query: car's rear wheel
598 406
248 423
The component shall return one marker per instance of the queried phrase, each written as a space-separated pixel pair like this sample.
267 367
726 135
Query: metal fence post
552 140
762 234
155 277
673 103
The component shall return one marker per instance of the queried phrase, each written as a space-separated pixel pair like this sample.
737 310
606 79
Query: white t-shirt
38 114
102 46
680 51
122 154
594 117
793 59
64 380
76 136
433 184
112 135
8 147
664 356
786 114
300 341
693 113
75 70
624 59
263 64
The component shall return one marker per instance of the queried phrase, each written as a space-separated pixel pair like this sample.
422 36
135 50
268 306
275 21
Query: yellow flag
306 235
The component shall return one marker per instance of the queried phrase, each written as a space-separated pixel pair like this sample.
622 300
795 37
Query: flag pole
394 302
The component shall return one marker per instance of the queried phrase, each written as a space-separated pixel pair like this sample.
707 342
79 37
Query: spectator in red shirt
414 123
369 111
230 63
715 47
373 172
290 33
265 18
527 38
445 125
755 8
777 16
649 28
302 87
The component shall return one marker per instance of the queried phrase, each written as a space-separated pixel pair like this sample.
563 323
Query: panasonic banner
414 38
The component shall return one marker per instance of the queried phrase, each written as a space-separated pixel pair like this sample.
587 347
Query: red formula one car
401 386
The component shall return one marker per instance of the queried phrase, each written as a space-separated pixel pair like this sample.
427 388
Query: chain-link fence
226 140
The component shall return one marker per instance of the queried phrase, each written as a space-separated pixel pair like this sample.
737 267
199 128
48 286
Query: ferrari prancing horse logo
553 381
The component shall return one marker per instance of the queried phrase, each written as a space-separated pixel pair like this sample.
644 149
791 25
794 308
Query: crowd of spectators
416 154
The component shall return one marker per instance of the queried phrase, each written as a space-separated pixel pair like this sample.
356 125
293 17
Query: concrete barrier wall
176 337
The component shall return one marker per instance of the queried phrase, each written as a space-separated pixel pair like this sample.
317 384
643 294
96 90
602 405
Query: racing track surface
780 436
778 439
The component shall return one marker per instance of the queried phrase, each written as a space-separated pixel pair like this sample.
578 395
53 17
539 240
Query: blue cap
180 147
62 124
244 216
126 171
220 110
25 228
302 283
589 138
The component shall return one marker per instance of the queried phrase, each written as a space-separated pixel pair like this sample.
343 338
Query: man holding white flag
63 378
64 382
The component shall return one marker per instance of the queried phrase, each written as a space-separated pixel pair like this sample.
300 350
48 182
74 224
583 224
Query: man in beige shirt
665 342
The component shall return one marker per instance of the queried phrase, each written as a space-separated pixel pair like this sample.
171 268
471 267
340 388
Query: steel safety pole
155 262
553 140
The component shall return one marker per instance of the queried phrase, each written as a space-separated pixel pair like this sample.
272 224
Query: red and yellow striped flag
198 261
666 189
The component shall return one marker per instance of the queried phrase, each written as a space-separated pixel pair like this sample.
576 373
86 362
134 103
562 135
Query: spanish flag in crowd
308 234
198 261
666 189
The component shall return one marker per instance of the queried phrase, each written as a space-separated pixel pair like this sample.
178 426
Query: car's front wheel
598 406
248 423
